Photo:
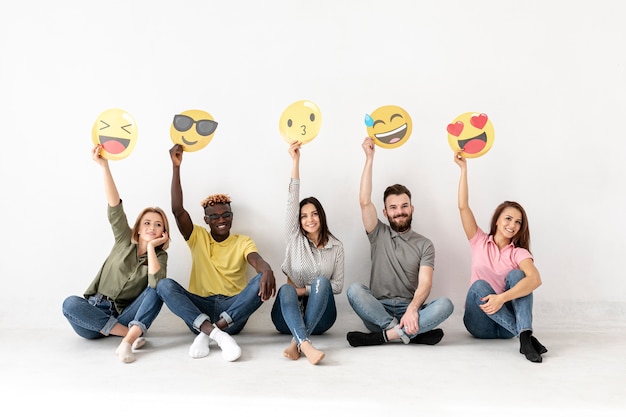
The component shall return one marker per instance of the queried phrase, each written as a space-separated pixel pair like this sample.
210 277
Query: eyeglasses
183 123
224 215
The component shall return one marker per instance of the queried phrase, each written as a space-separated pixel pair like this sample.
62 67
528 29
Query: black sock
541 349
431 337
366 339
526 347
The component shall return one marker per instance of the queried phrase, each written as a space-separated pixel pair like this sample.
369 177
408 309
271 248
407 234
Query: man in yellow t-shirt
220 300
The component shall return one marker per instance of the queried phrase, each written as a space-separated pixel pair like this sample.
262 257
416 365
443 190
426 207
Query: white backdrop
550 75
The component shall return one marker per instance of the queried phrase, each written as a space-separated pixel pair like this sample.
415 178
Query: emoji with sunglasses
472 133
300 122
193 129
389 126
116 131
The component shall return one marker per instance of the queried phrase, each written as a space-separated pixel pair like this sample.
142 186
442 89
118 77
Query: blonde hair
166 224
214 199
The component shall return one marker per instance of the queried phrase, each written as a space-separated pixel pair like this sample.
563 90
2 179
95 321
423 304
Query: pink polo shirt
492 264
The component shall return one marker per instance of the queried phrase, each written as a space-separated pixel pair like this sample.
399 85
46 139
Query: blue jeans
94 318
195 310
379 315
513 318
318 313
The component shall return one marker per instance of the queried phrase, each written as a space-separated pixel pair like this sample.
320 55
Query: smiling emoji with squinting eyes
389 126
472 133
116 131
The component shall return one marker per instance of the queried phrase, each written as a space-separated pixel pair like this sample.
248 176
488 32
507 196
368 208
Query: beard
400 223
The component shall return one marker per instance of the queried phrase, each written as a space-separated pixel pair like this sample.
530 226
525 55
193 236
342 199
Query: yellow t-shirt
218 267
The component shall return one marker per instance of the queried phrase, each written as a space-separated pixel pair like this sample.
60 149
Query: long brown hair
522 238
324 231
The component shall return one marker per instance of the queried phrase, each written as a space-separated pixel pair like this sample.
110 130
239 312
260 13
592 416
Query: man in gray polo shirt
393 307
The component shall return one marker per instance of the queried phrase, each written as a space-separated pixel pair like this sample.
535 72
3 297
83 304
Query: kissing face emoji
472 133
193 129
389 126
116 131
300 122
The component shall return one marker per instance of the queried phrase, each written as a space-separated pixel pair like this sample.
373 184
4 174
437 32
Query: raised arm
292 218
110 189
467 217
183 219
368 210
294 152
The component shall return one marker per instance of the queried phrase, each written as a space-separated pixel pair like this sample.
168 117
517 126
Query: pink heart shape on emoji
479 121
455 129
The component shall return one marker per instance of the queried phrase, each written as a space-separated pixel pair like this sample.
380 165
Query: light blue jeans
385 314
318 313
513 318
195 310
94 318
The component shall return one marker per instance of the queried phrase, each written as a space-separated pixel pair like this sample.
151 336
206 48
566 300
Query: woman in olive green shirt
122 300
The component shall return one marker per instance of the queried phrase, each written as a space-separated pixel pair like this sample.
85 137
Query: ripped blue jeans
313 314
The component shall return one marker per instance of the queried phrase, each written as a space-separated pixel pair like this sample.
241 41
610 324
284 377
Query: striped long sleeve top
303 260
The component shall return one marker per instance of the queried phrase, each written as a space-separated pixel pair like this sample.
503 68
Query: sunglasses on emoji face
183 123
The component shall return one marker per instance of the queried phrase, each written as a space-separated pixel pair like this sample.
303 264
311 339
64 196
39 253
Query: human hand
97 156
294 149
158 241
492 303
267 286
368 146
176 154
410 321
459 159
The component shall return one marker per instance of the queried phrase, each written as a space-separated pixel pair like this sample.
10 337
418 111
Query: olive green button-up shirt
123 275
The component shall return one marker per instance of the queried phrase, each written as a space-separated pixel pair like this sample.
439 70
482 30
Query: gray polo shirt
396 260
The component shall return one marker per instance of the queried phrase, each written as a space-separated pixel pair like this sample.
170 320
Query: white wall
550 75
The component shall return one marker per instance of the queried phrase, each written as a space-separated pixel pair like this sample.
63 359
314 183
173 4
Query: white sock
200 346
125 352
139 342
230 349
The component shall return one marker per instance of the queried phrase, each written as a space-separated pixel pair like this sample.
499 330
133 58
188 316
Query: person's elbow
535 279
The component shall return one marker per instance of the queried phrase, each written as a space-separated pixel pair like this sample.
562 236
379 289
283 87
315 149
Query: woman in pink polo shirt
500 298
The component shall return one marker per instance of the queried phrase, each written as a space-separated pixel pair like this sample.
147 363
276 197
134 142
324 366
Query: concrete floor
583 374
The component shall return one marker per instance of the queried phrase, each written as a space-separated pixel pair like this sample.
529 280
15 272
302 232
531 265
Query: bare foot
313 355
292 351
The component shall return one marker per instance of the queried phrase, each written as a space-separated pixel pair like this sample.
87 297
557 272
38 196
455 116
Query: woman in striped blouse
314 266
